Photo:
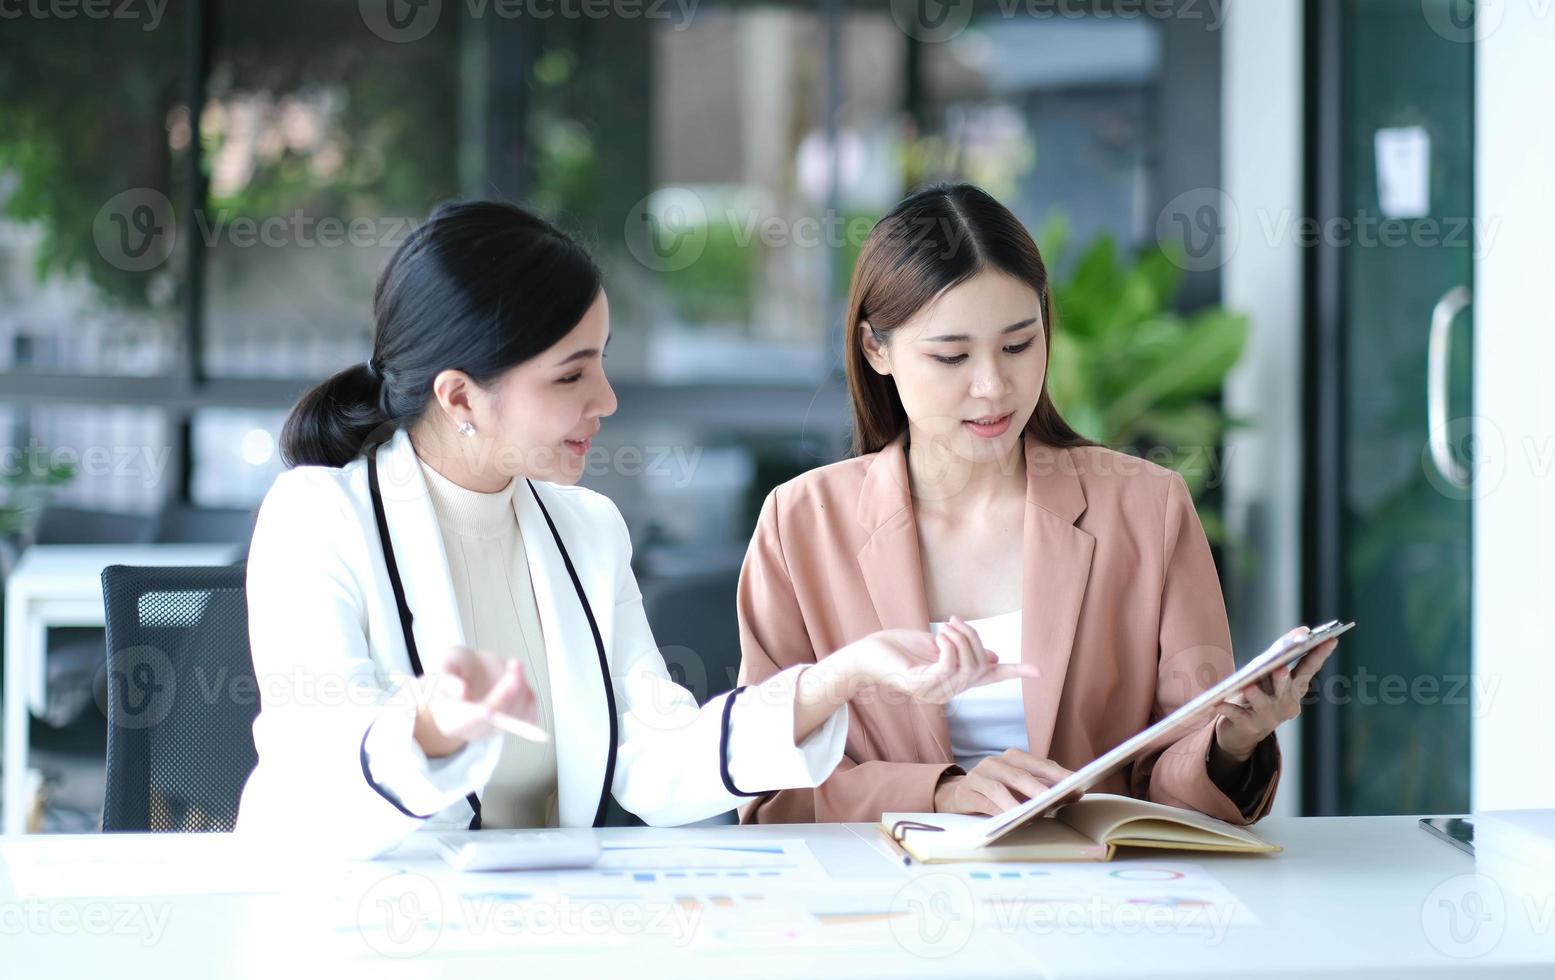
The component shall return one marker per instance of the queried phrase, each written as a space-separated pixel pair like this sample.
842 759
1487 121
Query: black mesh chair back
181 698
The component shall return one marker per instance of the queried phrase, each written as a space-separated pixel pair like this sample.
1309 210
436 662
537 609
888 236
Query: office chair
75 653
695 626
181 698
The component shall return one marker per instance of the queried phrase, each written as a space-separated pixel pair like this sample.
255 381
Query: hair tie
372 371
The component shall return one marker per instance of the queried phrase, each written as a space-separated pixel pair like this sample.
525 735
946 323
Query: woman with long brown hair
970 506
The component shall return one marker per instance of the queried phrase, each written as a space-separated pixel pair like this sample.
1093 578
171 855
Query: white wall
1262 150
1514 402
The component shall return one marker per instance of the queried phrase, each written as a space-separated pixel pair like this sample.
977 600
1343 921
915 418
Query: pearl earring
467 428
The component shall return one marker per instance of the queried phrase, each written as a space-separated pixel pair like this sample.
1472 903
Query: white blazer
338 765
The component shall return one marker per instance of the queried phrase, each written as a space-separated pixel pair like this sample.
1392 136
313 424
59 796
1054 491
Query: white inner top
984 721
490 571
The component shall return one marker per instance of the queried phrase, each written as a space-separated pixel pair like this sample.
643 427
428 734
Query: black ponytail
481 287
335 419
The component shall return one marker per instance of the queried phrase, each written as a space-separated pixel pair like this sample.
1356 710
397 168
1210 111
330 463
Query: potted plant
1130 372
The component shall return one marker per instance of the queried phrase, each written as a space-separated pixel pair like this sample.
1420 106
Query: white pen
522 729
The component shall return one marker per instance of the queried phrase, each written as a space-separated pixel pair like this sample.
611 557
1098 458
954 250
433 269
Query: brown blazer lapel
892 566
1057 566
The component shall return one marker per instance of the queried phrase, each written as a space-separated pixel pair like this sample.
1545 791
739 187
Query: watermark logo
400 21
1474 454
1464 917
667 231
934 915
141 683
932 21
148 12
401 915
1464 21
136 230
1199 229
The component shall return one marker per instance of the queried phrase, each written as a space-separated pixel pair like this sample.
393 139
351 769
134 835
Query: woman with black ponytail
446 631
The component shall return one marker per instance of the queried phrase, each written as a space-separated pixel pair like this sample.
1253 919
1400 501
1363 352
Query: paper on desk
637 892
718 860
1119 895
867 927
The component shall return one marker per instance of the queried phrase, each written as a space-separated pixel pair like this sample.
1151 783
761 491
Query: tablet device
518 850
1286 650
1457 831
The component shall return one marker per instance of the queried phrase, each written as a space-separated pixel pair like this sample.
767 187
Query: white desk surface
70 570
1360 896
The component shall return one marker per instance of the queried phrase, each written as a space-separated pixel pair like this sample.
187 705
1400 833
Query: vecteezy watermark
1467 21
74 917
932 21
1201 229
298 229
135 230
118 462
148 12
1464 917
403 21
141 687
1097 915
669 229
933 915
1476 457
1367 688
942 20
406 914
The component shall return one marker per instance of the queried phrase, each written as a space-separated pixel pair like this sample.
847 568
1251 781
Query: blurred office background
195 200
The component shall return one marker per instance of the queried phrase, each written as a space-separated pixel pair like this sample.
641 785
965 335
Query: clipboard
1286 650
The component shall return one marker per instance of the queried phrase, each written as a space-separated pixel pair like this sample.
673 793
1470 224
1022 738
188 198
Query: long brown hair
937 238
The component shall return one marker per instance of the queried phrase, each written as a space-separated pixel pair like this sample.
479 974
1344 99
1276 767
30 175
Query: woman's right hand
457 704
999 783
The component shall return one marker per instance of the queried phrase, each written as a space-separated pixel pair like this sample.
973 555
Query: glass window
1052 116
237 456
326 144
90 269
121 454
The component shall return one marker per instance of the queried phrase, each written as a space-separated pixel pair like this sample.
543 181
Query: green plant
26 492
1128 371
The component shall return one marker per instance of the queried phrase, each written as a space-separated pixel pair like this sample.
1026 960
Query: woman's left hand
929 667
1247 718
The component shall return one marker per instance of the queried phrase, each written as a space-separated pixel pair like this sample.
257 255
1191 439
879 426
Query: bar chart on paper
712 863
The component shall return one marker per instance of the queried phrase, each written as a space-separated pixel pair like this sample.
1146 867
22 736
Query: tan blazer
1122 611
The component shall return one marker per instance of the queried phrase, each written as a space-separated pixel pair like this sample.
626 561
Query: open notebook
1090 829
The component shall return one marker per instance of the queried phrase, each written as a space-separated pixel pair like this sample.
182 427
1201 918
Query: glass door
1390 433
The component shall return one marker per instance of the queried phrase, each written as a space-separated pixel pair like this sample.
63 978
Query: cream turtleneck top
490 572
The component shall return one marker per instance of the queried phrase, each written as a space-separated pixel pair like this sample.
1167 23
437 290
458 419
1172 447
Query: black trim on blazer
405 620
604 661
367 774
723 745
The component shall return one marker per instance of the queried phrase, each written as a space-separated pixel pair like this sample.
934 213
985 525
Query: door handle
1438 355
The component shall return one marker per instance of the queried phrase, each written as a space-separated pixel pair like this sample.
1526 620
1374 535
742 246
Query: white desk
1348 897
61 585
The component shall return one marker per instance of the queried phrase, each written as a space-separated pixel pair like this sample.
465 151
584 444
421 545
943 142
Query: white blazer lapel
418 552
583 719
